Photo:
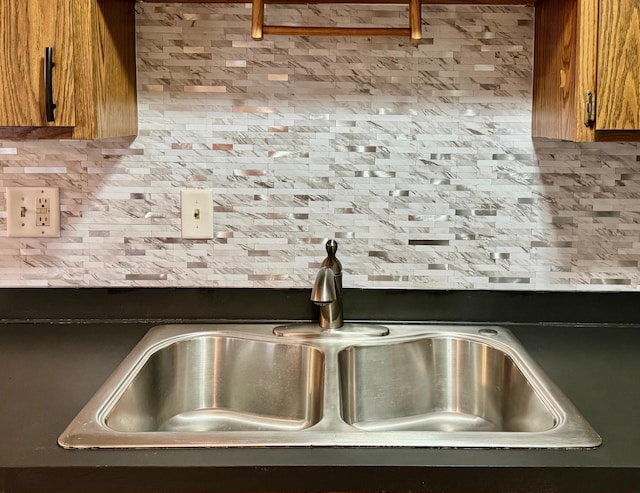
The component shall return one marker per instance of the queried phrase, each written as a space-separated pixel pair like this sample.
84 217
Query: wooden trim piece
258 28
424 2
617 135
104 40
115 36
257 19
28 133
336 31
415 19
86 89
586 65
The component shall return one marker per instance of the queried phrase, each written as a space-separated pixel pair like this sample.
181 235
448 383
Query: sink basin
222 383
242 385
446 384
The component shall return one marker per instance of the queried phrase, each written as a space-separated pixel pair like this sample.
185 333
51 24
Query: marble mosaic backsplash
416 156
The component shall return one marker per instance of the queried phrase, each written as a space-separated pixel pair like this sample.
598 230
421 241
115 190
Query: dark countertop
48 371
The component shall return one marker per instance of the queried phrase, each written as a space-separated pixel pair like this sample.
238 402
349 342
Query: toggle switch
197 213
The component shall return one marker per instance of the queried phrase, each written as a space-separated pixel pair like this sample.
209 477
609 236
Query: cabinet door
27 28
619 65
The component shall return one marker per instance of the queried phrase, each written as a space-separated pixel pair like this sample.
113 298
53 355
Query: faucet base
347 330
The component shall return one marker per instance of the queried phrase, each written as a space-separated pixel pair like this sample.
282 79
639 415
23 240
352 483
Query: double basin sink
243 385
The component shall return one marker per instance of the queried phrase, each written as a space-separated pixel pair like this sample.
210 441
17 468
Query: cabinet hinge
590 110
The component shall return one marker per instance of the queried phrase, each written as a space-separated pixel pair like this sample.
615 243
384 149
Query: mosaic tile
416 156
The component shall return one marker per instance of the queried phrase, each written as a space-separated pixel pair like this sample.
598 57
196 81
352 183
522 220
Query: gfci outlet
197 213
33 212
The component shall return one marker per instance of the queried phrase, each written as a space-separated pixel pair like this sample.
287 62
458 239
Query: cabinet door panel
619 65
27 27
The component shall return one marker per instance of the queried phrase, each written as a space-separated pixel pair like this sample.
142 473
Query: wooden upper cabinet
619 65
586 79
93 78
27 28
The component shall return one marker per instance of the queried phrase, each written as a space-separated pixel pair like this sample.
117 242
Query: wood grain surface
106 82
94 73
586 66
582 46
116 69
554 74
26 29
619 65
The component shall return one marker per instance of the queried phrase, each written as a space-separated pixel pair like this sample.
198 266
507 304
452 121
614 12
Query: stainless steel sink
241 385
449 384
213 383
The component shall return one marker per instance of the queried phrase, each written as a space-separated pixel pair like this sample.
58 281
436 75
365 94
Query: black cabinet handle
48 83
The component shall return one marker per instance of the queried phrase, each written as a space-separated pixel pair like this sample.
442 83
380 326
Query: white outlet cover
196 210
22 212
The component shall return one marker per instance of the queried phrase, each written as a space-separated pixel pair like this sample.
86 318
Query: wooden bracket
414 31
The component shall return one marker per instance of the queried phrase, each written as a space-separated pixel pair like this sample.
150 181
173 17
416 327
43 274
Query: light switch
197 213
33 212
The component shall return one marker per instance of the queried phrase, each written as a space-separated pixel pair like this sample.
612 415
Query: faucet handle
331 260
332 248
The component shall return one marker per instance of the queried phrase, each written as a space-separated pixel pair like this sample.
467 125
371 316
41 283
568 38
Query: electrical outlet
43 212
33 212
197 213
42 220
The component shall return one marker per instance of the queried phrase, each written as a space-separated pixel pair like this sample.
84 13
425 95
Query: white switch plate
197 213
33 212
